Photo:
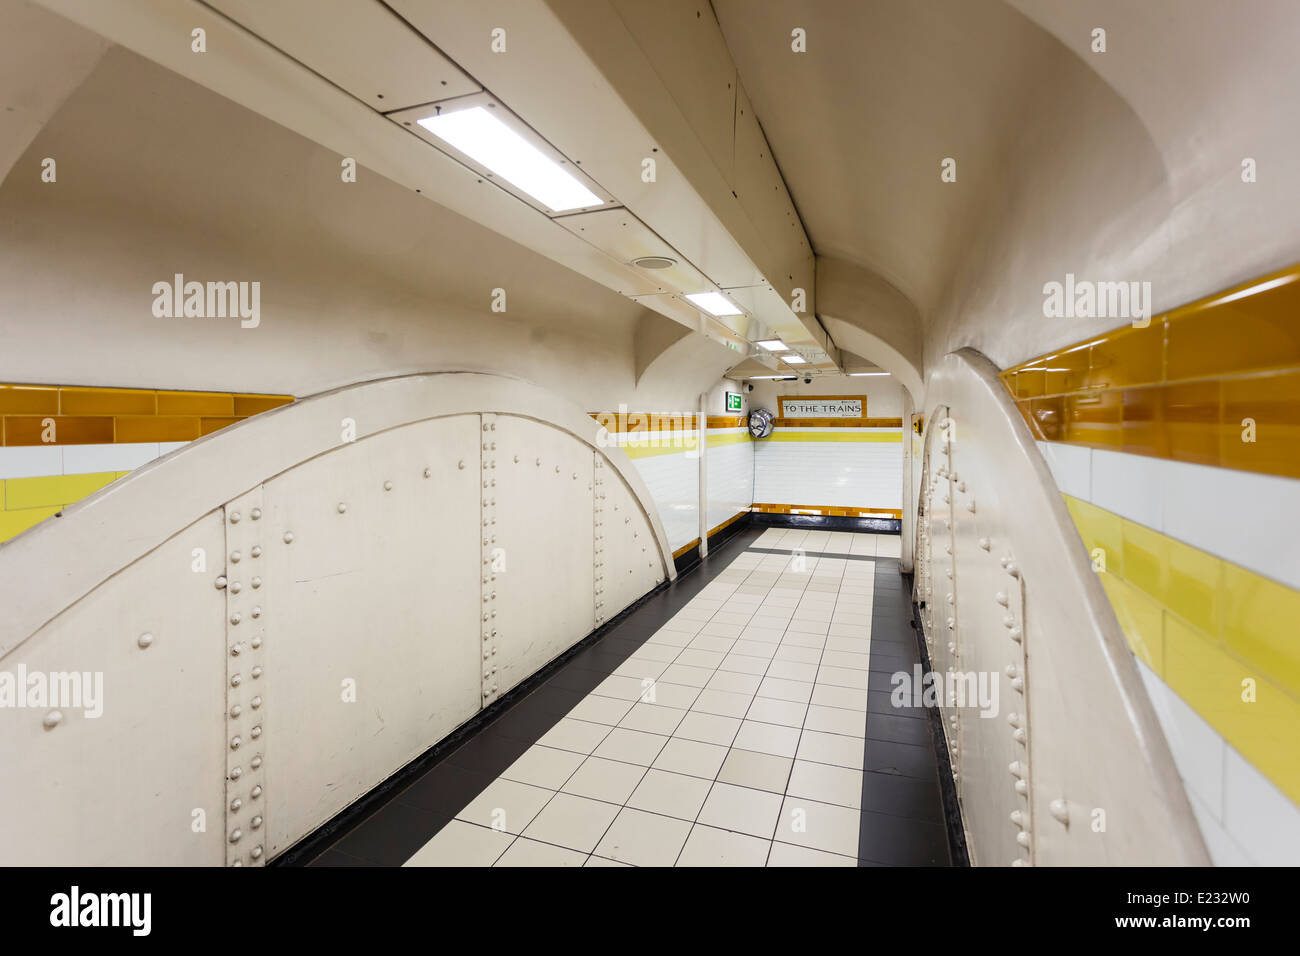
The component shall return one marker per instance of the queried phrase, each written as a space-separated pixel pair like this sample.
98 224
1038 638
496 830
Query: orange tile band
1215 382
838 511
77 415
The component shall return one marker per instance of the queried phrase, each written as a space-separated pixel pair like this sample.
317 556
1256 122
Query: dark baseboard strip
689 559
828 522
947 786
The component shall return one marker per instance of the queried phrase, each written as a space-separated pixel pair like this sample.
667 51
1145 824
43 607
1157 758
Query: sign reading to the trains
827 406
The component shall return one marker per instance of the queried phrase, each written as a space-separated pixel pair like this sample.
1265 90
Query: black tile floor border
399 816
902 821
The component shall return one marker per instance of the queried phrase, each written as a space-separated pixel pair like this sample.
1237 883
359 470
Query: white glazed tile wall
848 474
730 482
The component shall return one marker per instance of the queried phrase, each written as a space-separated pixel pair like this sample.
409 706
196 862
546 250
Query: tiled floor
751 727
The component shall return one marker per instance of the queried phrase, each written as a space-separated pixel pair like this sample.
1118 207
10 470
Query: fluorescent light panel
793 359
714 303
860 374
488 141
772 345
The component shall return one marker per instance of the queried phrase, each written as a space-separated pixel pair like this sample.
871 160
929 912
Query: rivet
236 587
235 712
1017 769
388 486
234 517
1001 598
342 507
256 643
1013 570
236 774
256 582
256 853
256 552
1060 810
256 822
1022 787
1014 634
235 835
235 556
256 792
256 702
516 459
256 513
235 804
985 543
255 762
288 537
235 742
256 672
234 650
144 640
557 469
256 732
53 719
1023 838
235 681
257 612
1018 817
428 472
1020 736
461 464
235 618
1009 670
221 582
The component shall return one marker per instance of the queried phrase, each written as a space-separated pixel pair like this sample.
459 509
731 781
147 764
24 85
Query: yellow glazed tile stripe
77 415
1214 382
1221 636
895 438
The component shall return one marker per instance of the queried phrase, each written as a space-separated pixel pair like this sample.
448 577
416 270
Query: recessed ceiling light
779 378
793 359
488 141
714 303
860 374
773 345
654 262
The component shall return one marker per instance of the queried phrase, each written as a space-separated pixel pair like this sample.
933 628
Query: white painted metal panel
143 783
627 563
1091 736
372 649
359 45
544 600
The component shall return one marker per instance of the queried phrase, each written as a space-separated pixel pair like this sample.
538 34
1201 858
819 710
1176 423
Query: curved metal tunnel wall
407 552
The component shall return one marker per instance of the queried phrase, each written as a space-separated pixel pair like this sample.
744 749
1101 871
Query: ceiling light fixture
714 303
772 345
860 374
488 141
793 359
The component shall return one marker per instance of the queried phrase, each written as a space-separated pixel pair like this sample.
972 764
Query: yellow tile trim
1215 382
92 414
735 438
14 523
889 438
57 490
729 522
840 511
684 548
1211 630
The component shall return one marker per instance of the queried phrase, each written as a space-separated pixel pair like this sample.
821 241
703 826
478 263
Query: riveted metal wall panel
1076 734
627 563
141 784
995 762
246 681
371 591
544 601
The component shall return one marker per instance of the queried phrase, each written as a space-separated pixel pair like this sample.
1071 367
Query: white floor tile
819 825
526 852
840 786
708 728
610 780
543 766
462 844
763 738
580 736
506 805
671 794
631 746
784 854
643 839
653 718
758 771
710 846
741 809
836 749
574 822
691 757
788 713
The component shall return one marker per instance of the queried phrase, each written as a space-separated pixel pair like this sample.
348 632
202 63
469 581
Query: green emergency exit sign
734 402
